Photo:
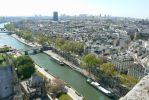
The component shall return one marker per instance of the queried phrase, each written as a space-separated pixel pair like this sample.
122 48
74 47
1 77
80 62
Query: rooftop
122 57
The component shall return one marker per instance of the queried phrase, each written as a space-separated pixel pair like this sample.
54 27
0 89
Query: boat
99 87
57 60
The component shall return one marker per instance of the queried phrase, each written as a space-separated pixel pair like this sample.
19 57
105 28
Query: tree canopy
58 87
10 27
90 61
27 34
41 38
108 69
25 66
127 80
22 60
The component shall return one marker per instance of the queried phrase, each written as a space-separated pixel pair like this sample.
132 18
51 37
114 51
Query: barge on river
57 60
99 87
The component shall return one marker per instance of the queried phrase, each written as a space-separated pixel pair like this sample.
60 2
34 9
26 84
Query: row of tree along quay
56 88
98 67
25 68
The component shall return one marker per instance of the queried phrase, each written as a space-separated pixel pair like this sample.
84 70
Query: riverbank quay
71 92
74 67
23 83
51 54
31 44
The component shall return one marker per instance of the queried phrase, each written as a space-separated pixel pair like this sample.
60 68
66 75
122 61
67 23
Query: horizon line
77 15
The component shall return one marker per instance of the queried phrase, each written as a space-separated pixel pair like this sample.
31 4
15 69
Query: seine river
77 81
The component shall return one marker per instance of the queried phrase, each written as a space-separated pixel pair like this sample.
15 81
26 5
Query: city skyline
119 8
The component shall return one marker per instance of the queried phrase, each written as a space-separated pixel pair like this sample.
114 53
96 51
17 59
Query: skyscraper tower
55 16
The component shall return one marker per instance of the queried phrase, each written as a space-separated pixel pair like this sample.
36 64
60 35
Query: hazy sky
126 8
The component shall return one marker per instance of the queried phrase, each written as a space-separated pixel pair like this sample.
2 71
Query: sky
120 8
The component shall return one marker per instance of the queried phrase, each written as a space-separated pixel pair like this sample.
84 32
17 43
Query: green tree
108 69
22 60
26 70
77 47
10 27
58 87
67 47
127 80
90 61
59 42
27 35
25 66
41 38
19 33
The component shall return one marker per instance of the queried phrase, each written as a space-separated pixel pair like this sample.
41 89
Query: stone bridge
33 50
4 30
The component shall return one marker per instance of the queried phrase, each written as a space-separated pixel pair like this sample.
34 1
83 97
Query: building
122 62
55 16
145 62
9 85
126 64
137 70
34 87
145 33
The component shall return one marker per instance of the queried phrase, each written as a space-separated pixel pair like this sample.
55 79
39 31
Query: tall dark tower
55 16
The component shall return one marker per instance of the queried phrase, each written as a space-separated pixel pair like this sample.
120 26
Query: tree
22 60
25 66
10 27
77 47
127 80
67 46
108 69
90 61
41 38
27 35
26 70
58 87
59 42
19 33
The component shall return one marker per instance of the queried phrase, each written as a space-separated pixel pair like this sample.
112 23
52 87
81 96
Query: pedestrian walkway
71 92
74 67
50 53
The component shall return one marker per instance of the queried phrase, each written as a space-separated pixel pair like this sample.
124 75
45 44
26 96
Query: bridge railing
32 48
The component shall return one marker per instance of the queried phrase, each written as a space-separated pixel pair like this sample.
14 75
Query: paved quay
50 53
24 41
74 67
71 92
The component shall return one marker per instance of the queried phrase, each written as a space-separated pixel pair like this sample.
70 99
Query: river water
76 80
